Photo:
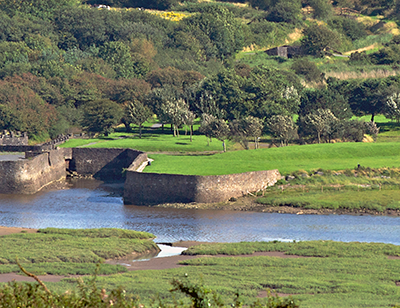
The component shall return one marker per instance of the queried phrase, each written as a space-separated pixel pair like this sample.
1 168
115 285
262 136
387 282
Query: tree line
66 65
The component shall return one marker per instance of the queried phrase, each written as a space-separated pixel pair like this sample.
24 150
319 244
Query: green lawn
151 142
287 159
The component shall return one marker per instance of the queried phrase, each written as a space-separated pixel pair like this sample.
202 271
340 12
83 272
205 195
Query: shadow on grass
389 126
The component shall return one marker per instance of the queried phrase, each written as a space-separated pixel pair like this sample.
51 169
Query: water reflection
91 204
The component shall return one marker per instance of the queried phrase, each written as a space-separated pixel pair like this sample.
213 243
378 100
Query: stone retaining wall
28 176
155 188
103 164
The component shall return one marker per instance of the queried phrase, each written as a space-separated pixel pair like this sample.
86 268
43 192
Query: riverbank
251 204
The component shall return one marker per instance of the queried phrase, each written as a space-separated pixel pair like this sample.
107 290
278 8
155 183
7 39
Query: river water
90 204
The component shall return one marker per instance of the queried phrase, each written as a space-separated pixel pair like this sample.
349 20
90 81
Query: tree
213 127
101 116
220 130
21 109
175 110
317 38
282 128
253 127
188 120
322 9
137 113
118 55
368 97
321 121
220 26
287 11
313 99
392 107
205 126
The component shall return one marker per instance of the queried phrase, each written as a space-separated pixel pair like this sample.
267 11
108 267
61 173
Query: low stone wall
14 140
104 164
28 176
155 188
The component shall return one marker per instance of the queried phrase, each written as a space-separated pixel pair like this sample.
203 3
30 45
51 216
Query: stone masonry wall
28 176
103 164
154 188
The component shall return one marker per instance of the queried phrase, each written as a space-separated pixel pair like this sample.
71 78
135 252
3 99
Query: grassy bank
287 159
69 252
357 190
331 274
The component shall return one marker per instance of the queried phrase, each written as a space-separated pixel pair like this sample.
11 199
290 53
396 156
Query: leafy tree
351 28
39 8
368 97
282 128
287 11
321 121
220 130
118 55
188 120
227 89
173 77
322 9
213 127
313 99
137 113
21 109
220 26
317 38
49 93
101 116
81 27
207 104
175 111
238 128
253 127
261 4
392 107
269 91
205 126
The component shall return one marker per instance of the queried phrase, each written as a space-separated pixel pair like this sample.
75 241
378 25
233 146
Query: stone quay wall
155 188
103 164
28 176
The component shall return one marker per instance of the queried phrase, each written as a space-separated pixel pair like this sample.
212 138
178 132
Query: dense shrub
307 69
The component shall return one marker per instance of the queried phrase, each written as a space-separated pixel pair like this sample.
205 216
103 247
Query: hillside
70 66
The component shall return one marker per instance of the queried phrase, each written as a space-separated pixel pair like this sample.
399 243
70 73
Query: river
90 204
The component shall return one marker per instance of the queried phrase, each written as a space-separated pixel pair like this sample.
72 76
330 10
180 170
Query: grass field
151 141
332 274
287 159
64 251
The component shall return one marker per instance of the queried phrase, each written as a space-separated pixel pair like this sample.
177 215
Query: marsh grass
332 274
65 251
359 189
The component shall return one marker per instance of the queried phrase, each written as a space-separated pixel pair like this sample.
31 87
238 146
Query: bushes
307 69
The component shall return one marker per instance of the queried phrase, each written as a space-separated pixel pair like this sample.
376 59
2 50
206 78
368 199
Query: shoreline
249 204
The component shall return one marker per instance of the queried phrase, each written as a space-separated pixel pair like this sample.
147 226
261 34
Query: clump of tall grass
377 73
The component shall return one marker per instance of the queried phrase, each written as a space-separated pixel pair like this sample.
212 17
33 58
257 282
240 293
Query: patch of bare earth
12 230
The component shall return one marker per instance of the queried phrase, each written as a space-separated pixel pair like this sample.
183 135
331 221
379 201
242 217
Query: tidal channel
91 204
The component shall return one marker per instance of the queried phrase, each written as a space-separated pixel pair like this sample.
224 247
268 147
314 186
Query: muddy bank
249 203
